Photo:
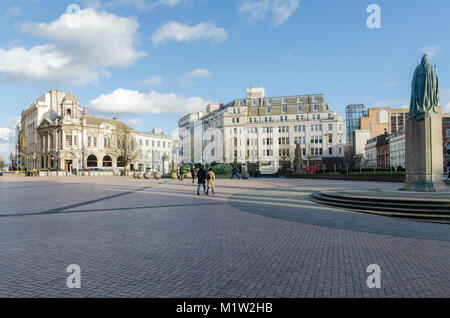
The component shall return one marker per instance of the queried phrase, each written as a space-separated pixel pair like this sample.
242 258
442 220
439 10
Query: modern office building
353 115
264 131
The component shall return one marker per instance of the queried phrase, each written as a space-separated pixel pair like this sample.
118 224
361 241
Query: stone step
380 201
386 210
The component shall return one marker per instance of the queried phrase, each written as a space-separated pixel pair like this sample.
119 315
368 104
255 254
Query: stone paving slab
162 240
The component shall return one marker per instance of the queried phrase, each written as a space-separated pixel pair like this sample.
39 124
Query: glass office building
353 114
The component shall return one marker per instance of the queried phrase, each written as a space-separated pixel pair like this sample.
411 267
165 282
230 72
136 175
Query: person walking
201 179
193 173
211 178
181 172
235 173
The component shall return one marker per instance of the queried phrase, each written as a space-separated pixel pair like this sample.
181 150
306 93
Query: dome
70 98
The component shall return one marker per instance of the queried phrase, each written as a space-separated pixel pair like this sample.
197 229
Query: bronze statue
424 92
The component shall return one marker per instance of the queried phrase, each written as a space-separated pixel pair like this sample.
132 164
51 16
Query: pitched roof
97 121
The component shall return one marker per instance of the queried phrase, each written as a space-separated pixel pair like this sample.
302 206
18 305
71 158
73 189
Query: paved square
255 238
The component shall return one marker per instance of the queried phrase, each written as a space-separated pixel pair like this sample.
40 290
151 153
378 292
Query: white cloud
280 10
190 78
393 103
445 100
152 81
181 32
170 3
432 51
82 46
138 4
13 11
134 102
6 142
389 84
254 10
135 122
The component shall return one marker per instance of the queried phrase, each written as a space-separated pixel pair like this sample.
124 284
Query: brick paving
140 238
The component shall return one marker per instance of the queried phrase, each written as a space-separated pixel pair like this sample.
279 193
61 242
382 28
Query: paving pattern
148 238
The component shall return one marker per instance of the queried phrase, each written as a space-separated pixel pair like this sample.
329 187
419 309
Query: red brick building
383 152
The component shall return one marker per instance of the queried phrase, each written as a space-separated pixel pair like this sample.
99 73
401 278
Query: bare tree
127 149
2 163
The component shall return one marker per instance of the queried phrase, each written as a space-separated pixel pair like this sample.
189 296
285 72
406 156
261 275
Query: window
146 142
250 120
95 141
284 108
69 140
316 107
75 140
140 142
330 126
159 143
330 139
448 133
89 141
92 161
107 161
330 151
120 162
269 110
153 143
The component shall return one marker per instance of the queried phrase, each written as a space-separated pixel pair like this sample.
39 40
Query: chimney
85 111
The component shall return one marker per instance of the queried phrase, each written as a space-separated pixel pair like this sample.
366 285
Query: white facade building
45 107
264 130
370 154
56 134
397 151
156 151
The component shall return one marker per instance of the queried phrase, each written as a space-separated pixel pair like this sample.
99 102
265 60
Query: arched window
120 162
107 161
92 161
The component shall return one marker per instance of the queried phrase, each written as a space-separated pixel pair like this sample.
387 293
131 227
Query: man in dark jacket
235 173
201 176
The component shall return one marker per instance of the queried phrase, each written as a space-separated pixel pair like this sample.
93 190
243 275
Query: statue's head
425 58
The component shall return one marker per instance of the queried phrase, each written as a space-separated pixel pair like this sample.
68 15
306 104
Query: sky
149 62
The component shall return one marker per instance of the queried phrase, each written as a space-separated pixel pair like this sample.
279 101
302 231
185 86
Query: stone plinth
424 156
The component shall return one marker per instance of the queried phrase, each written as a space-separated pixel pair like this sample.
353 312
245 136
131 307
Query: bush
222 169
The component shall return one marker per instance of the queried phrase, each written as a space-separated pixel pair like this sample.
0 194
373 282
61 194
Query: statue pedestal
424 156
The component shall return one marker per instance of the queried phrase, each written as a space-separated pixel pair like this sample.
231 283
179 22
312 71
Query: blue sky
151 61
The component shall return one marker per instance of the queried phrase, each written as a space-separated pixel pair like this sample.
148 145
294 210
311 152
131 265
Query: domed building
69 139
57 134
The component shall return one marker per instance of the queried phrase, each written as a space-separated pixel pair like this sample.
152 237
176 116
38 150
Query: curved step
424 207
386 210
